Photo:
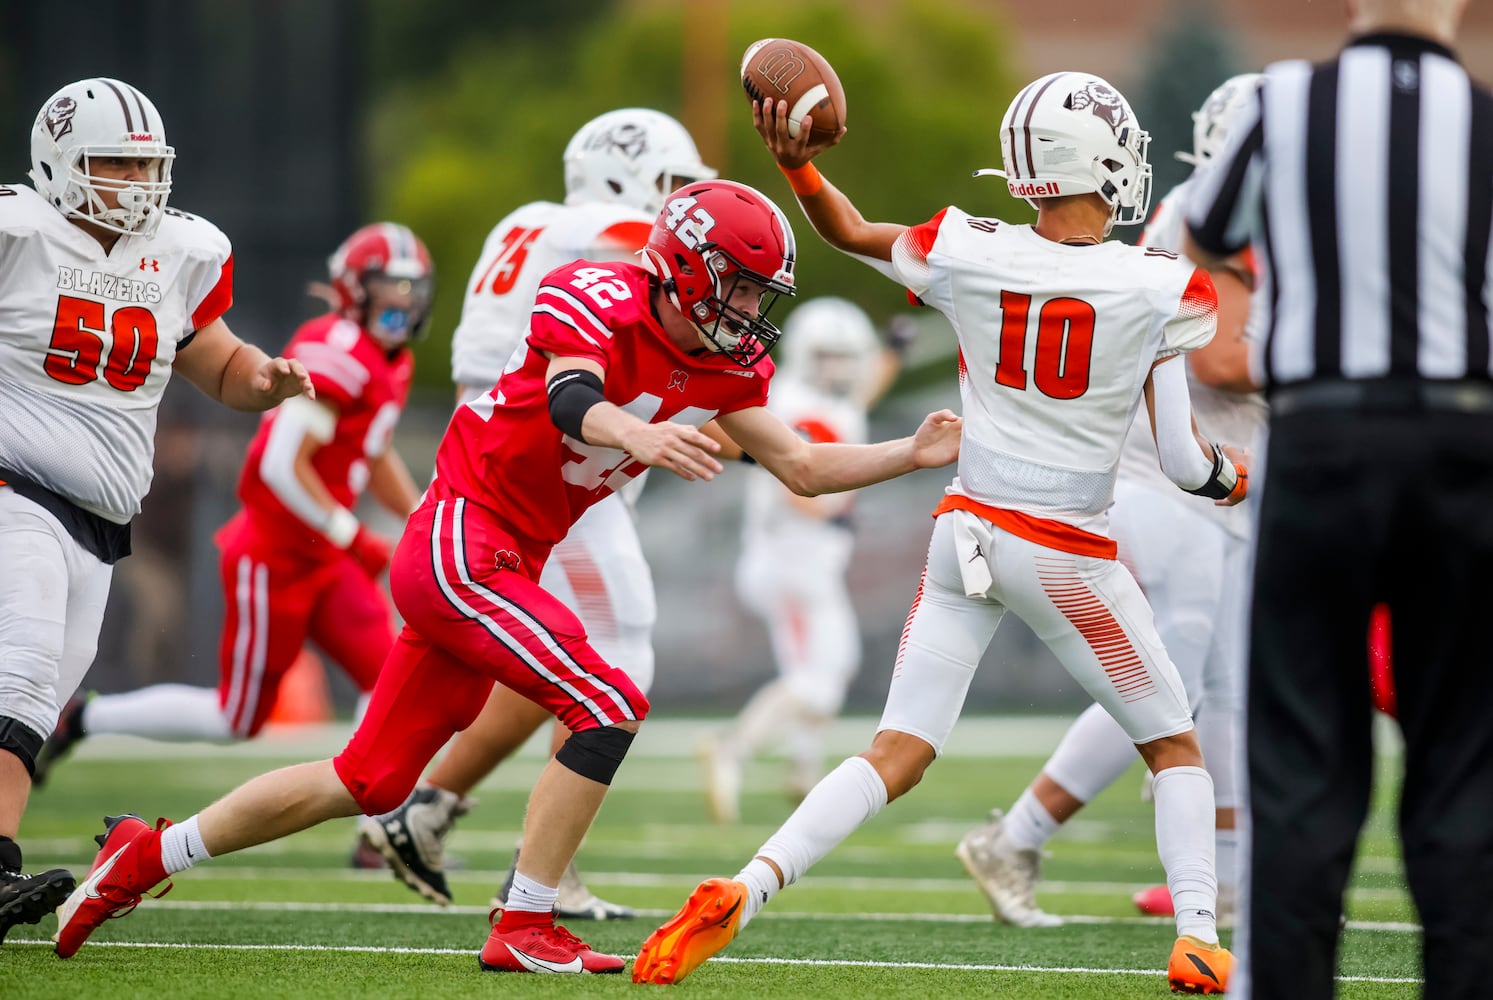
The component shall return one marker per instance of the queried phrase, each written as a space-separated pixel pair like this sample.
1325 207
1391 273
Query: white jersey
1227 417
87 340
1056 343
770 520
521 249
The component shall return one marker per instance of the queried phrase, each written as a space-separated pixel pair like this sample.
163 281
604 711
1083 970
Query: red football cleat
542 947
128 865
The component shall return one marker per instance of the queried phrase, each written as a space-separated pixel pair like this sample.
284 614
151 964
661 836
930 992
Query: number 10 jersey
1055 344
87 340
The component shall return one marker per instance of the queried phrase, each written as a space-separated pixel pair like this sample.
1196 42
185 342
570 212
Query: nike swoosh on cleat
1203 967
90 887
541 965
726 917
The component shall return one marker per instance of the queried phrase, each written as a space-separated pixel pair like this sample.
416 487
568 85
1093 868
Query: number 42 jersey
87 340
1055 344
503 452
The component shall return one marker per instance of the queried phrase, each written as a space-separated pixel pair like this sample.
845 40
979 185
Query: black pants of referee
1392 505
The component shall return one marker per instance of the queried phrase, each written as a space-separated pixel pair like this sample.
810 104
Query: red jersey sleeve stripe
568 320
218 300
920 238
631 235
575 307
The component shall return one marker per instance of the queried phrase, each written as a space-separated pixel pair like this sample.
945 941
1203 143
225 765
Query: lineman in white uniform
1190 558
104 291
618 168
795 552
1060 336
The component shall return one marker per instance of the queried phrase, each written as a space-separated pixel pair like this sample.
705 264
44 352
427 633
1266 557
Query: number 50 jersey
503 452
86 345
1055 344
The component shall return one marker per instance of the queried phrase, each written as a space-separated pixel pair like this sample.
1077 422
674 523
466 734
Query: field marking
647 880
406 909
723 960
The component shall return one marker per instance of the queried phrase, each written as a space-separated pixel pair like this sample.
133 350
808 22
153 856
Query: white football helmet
1073 133
633 156
829 343
101 118
1210 123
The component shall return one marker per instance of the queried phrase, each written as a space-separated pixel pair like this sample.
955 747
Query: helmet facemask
140 204
727 328
396 309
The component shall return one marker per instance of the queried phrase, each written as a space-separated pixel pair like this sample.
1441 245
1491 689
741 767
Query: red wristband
805 180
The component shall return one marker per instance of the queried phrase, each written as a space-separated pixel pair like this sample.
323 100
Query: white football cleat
723 780
1008 876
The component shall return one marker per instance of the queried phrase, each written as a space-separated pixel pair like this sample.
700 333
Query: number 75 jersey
1055 342
87 340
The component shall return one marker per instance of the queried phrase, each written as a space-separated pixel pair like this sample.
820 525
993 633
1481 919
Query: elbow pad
571 394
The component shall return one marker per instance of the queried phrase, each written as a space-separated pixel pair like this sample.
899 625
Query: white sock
848 796
1184 839
1029 825
762 884
159 712
528 896
1226 858
1092 755
182 847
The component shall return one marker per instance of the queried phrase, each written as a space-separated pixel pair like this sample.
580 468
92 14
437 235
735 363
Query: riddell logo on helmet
1029 190
142 137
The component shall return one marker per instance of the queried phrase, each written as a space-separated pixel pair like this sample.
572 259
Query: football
780 69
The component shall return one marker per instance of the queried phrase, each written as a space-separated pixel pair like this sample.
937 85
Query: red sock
513 920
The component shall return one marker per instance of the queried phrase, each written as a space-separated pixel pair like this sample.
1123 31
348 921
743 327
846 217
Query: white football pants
795 582
52 597
1089 611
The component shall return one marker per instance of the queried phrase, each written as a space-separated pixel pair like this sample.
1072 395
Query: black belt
105 539
1382 395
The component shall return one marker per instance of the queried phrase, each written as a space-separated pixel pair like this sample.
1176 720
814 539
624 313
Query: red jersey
503 452
368 387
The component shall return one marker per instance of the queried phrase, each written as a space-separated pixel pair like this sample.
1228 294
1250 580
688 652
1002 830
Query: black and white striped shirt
1365 185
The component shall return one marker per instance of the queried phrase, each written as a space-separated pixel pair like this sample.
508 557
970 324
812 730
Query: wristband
805 180
1222 480
342 527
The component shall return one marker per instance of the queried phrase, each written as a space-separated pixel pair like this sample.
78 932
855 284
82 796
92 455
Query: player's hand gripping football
936 442
771 121
680 448
281 378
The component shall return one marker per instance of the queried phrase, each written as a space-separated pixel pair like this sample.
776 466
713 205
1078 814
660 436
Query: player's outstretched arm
811 469
833 216
237 374
1190 460
578 408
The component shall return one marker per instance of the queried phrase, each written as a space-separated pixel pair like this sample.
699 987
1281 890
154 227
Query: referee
1365 186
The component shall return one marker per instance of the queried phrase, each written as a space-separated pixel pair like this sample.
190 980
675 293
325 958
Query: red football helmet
711 236
385 265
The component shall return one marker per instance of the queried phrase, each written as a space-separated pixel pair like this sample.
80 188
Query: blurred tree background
493 118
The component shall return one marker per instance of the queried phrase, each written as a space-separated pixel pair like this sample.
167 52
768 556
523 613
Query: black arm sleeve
571 394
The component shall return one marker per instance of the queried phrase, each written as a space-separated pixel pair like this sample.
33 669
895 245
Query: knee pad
375 791
596 753
20 739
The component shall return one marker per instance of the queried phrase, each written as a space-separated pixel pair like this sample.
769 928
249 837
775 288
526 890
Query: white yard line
427 909
826 962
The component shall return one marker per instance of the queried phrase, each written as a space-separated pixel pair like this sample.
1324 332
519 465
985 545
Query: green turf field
890 914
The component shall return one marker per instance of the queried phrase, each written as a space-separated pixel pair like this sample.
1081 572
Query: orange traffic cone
304 695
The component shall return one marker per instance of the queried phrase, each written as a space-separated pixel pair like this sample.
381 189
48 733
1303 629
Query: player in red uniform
621 366
296 564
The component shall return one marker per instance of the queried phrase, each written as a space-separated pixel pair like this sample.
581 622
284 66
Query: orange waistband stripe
1043 531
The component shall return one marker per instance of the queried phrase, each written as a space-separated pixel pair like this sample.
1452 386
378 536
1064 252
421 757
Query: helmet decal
1102 101
58 117
628 139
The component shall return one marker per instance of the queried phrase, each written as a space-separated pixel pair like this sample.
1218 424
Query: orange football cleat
705 924
1196 967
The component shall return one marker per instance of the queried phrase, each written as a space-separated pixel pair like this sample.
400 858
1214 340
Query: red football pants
273 605
473 615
